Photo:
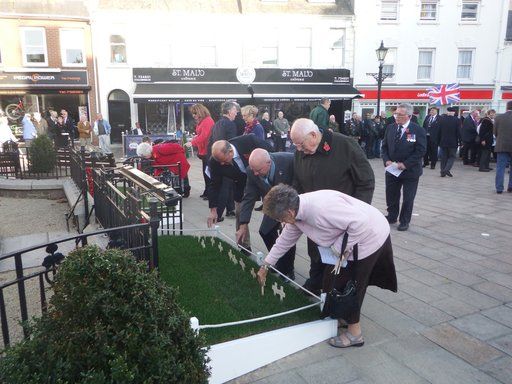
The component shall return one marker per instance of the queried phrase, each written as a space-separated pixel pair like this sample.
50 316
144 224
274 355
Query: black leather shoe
484 170
443 174
449 174
230 214
432 167
509 189
499 192
312 290
390 221
220 219
290 275
403 227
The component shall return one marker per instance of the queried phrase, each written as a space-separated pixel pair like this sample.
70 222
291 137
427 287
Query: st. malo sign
228 75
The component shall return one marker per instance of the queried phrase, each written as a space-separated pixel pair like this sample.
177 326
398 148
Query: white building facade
212 34
433 42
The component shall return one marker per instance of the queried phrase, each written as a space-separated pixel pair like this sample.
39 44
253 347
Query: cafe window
303 48
33 46
72 47
465 64
117 49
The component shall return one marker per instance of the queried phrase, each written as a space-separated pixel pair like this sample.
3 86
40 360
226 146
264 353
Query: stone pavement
450 322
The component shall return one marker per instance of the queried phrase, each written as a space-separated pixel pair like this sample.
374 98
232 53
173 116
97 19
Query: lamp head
381 52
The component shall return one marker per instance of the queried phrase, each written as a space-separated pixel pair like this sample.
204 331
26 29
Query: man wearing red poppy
328 160
403 147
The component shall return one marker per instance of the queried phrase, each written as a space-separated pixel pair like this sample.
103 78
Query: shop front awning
186 92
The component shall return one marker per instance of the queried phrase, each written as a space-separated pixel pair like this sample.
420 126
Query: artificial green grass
215 290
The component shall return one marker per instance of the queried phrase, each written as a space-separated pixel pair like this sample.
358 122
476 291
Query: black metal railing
17 306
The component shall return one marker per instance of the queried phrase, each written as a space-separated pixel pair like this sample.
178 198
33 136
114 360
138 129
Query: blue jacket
29 130
106 125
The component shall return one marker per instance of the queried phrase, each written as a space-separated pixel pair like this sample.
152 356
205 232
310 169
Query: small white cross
221 248
279 291
253 274
203 244
242 264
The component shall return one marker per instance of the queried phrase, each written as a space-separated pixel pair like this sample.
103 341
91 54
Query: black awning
193 92
189 92
303 92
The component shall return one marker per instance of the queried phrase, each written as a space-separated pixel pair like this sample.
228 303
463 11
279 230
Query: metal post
83 174
154 223
379 86
21 290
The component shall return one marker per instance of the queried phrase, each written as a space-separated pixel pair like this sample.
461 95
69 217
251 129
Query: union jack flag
444 94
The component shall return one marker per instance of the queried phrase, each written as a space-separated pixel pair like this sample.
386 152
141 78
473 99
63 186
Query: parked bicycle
17 111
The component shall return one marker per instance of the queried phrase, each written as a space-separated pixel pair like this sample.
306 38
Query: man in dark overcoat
449 138
266 170
431 127
403 148
327 160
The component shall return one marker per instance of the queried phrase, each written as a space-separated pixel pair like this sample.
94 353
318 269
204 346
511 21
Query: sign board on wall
44 79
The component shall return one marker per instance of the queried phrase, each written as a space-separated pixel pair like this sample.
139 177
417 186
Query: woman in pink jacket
325 216
203 130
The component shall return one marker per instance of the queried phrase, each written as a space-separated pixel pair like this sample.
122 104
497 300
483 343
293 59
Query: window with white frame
117 49
337 48
389 10
469 10
425 64
269 53
302 52
33 46
465 64
428 10
389 62
208 55
72 47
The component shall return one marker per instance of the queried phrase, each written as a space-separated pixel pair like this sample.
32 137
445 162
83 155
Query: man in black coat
327 160
265 171
404 145
69 125
431 127
230 160
468 136
449 138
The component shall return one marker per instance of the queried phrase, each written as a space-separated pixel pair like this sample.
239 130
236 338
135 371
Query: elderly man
403 148
320 114
84 131
266 170
468 136
431 127
503 132
449 137
327 160
102 130
229 160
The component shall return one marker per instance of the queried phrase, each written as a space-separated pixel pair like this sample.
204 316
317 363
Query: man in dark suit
404 145
266 170
503 132
138 130
468 136
431 127
69 125
449 137
230 160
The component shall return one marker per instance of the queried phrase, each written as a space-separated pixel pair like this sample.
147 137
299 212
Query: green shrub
42 155
109 321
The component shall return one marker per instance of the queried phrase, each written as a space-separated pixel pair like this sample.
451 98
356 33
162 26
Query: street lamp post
380 76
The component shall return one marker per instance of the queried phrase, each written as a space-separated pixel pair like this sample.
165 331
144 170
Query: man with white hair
328 160
403 148
266 170
29 130
102 130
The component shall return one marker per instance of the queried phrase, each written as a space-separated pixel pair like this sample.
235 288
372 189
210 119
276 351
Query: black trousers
469 152
394 187
226 200
447 158
285 264
430 156
280 143
316 270
204 161
485 158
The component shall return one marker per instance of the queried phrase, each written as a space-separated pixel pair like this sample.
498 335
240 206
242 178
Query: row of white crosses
277 291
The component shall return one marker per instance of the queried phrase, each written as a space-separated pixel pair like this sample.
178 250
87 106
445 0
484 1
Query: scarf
249 127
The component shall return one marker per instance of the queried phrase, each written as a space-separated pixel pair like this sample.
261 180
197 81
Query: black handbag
341 305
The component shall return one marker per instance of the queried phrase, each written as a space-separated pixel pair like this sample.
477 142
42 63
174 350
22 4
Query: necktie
398 134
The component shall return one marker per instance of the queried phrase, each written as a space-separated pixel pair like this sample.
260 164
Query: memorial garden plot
217 284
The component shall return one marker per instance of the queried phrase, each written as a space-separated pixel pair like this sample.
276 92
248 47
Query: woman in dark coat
486 139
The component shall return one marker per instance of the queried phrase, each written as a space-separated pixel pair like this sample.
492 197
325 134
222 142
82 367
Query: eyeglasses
301 145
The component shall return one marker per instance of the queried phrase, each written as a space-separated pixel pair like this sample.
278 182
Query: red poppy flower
327 147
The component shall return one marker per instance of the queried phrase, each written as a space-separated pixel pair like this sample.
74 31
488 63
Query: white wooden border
235 358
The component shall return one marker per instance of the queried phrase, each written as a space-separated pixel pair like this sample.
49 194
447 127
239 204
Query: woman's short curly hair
279 200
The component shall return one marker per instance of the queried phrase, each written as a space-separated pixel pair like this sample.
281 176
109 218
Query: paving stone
480 326
462 253
401 265
423 312
333 370
453 307
420 291
426 263
500 369
466 347
468 295
504 279
373 333
497 291
367 356
431 253
503 344
496 265
385 295
392 372
457 275
284 377
463 265
501 314
392 320
426 277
